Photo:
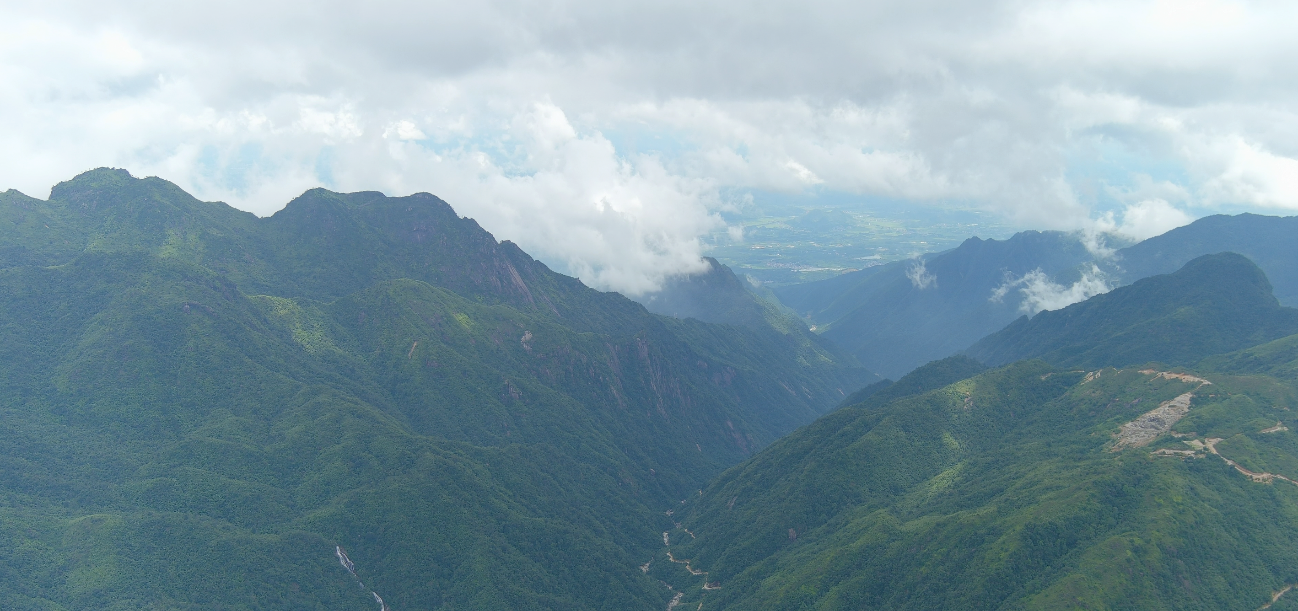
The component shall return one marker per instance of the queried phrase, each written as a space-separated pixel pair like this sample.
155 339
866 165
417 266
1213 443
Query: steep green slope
194 441
1011 490
1215 304
905 314
197 405
1278 358
934 375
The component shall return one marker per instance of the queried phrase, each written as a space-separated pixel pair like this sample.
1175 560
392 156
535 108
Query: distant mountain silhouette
892 324
1269 241
716 295
893 321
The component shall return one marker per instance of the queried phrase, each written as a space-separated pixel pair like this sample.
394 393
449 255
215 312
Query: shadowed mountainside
894 323
899 316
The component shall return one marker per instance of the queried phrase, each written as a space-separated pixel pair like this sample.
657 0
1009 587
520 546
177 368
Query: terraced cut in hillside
1158 421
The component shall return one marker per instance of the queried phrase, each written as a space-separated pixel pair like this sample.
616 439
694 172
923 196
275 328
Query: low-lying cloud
919 275
1039 293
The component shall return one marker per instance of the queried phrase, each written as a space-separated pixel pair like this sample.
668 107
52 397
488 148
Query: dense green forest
1009 491
197 405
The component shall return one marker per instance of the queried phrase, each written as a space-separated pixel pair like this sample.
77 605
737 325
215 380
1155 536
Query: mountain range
1068 484
203 409
1213 305
898 316
366 400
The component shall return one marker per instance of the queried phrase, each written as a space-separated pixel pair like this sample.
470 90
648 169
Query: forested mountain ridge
1025 487
1268 241
904 314
1214 304
1037 485
895 317
199 404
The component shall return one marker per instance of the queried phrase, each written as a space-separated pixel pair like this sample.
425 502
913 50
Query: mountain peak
1214 304
91 181
1230 267
105 188
715 295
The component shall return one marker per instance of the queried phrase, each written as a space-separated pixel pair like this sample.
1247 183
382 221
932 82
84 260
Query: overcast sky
604 137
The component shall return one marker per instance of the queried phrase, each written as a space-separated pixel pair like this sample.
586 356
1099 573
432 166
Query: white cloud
1039 293
340 124
1145 219
617 223
404 130
920 277
1049 113
1249 174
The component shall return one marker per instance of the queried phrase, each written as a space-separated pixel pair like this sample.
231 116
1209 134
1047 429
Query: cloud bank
606 137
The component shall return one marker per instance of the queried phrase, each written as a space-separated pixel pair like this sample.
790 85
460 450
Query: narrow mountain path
1261 478
1154 423
1276 596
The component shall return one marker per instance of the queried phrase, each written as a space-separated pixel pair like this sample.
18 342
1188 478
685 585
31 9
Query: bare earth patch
1184 377
1141 431
1180 453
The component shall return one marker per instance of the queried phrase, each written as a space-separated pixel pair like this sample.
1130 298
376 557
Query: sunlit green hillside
1013 490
